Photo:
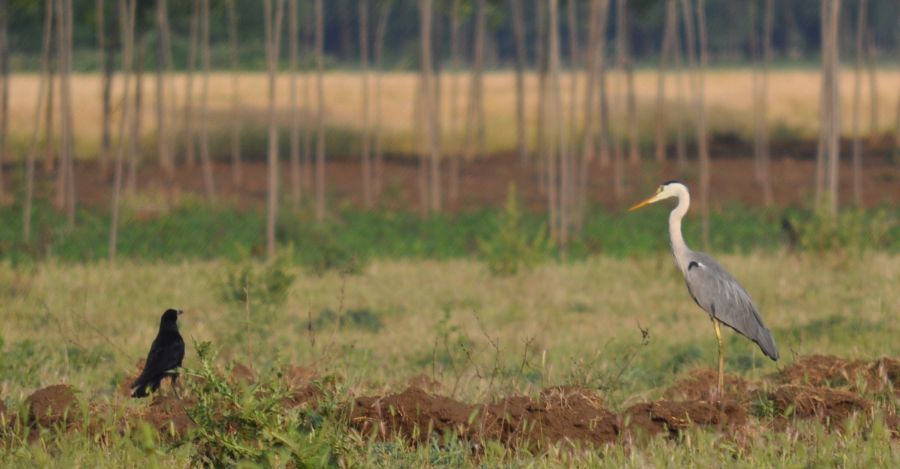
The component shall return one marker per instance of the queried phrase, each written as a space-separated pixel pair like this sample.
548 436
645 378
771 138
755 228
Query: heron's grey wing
720 295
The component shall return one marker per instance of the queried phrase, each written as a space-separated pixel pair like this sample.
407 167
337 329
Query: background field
793 109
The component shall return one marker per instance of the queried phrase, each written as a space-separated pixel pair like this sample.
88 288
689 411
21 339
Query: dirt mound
53 405
835 372
241 373
168 415
674 416
828 405
560 414
413 414
701 385
124 388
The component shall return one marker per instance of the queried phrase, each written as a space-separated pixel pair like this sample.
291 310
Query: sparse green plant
853 230
510 248
267 284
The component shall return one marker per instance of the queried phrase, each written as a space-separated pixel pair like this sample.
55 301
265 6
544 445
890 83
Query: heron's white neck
679 249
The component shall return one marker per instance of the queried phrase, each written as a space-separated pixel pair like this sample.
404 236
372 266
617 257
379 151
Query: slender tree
273 40
518 19
664 56
43 91
208 178
574 66
857 98
164 148
871 66
430 108
293 95
768 25
475 113
320 112
189 137
702 141
455 63
134 148
634 153
107 62
126 28
4 92
832 111
380 32
555 145
64 51
237 173
365 110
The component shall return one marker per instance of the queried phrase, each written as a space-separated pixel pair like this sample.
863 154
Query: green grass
346 242
580 322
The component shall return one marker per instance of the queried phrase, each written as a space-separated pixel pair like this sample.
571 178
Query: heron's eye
659 189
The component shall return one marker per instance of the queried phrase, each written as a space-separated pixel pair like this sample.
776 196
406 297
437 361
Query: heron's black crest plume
165 356
671 181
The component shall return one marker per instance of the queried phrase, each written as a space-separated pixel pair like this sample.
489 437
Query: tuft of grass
510 248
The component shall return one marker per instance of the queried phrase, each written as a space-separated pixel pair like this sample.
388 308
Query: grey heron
710 285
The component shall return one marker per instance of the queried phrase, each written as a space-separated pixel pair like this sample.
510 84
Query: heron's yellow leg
721 358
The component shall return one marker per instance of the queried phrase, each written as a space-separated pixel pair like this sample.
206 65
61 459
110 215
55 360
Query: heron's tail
766 343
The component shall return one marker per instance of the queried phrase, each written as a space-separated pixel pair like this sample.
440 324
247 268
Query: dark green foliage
510 247
267 284
239 423
507 239
361 319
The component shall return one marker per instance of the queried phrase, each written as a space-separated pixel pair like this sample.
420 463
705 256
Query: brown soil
830 371
828 405
168 415
560 415
570 416
413 413
485 182
675 416
52 406
702 384
124 388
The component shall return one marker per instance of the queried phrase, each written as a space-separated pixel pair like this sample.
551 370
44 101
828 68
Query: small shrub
510 248
240 423
268 284
852 230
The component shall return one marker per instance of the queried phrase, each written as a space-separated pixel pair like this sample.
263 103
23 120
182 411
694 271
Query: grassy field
478 336
793 112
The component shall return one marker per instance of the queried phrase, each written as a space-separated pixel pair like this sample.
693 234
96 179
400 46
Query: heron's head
667 190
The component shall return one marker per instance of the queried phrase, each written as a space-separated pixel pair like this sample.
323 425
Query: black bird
166 354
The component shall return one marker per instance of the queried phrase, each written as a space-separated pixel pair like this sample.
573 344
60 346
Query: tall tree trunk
871 66
4 93
702 141
50 162
108 63
320 112
134 152
603 91
273 40
43 90
189 137
206 160
476 101
428 101
634 151
574 65
237 172
857 98
768 23
664 55
518 19
126 27
540 135
67 170
456 65
294 55
380 32
832 143
164 148
596 53
680 101
366 111
556 144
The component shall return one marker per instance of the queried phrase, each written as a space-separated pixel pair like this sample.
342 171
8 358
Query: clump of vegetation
267 284
331 254
852 230
239 423
510 247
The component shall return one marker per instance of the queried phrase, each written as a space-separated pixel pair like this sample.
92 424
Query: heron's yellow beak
644 203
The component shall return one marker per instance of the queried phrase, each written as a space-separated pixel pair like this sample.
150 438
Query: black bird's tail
139 388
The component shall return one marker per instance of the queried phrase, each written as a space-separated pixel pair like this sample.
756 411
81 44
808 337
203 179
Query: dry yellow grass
794 96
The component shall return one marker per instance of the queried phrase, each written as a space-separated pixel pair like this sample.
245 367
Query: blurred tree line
796 31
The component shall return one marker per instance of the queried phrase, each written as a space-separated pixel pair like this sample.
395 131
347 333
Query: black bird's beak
180 312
